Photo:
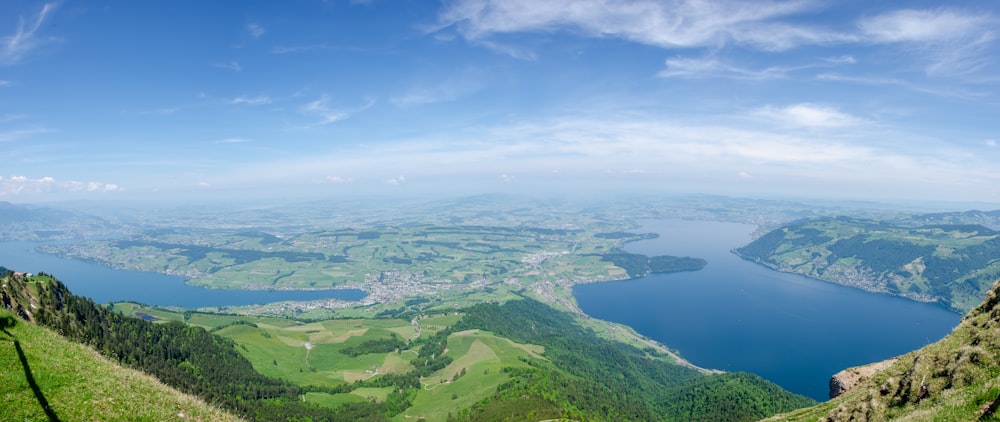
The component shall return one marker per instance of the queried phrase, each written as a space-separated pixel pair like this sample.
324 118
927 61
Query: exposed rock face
850 377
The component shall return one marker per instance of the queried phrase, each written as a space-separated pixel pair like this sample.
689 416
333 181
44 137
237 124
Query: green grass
79 384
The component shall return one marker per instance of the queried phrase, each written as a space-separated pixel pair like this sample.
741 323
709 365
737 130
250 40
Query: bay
736 315
104 284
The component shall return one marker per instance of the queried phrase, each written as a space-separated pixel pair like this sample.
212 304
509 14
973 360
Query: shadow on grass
9 321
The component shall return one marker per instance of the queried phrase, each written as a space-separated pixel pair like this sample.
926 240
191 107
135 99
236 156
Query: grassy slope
79 384
955 379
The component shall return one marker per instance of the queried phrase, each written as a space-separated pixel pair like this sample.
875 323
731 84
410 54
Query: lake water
736 315
105 284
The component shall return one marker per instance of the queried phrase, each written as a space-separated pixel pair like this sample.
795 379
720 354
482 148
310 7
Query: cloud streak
14 48
808 116
667 24
952 41
327 113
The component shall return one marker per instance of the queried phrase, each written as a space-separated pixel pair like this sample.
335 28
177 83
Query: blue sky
192 99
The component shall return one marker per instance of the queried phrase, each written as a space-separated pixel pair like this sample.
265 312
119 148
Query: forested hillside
954 265
600 379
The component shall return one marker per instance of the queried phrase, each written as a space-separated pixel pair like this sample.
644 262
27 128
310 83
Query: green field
277 347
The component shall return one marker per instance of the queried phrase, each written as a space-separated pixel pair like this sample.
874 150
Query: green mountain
955 379
954 265
513 361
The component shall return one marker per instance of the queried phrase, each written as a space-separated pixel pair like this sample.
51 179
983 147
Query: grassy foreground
43 376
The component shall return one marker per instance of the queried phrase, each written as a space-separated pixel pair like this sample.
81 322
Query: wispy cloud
312 48
450 90
680 23
255 30
17 185
951 41
680 67
4 83
261 100
233 65
947 92
11 117
13 135
327 113
14 48
845 59
338 180
396 181
808 115
233 141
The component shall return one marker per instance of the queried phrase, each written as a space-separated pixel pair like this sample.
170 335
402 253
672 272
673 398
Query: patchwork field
312 354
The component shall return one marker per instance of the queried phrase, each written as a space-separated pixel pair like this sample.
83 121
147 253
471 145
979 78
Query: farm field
315 355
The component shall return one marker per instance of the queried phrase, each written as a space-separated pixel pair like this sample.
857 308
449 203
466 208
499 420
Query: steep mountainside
954 265
955 379
44 376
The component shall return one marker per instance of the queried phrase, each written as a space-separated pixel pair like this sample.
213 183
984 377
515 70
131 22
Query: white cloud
924 26
14 135
261 100
845 59
11 117
711 68
233 141
18 185
327 113
446 91
14 47
395 181
338 180
255 30
990 143
808 115
233 65
950 41
668 24
4 83
744 175
506 178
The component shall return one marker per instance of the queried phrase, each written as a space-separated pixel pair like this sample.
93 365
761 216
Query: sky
175 100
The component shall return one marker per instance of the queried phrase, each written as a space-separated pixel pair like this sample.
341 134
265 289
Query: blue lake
105 284
735 315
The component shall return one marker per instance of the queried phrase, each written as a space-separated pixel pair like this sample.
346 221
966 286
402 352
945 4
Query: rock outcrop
847 379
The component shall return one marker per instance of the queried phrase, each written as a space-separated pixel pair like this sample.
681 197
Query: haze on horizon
123 100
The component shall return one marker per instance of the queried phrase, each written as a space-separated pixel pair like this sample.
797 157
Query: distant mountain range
31 222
